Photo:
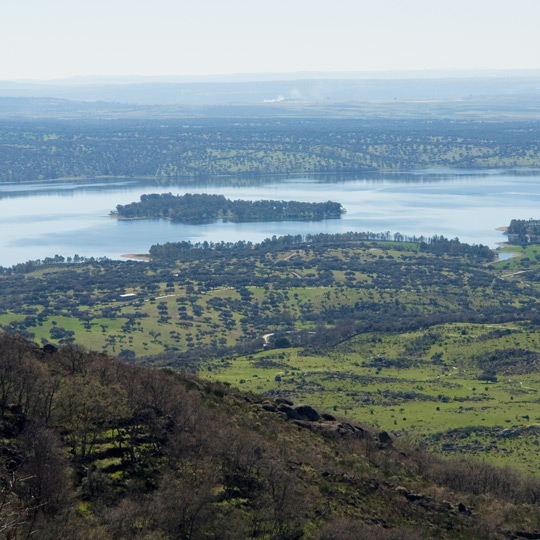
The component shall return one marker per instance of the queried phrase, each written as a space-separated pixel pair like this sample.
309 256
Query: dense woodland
96 448
48 149
201 208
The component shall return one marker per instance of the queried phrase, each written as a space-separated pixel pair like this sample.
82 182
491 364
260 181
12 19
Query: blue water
505 255
43 219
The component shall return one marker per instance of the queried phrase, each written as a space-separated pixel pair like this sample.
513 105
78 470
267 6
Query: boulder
307 413
289 412
267 406
305 425
463 509
348 431
328 431
415 496
529 535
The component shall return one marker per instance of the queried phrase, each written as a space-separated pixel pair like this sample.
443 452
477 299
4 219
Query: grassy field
425 384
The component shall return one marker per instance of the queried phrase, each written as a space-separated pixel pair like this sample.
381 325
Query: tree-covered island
202 208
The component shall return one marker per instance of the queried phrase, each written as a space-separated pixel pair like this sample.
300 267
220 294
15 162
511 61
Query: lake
41 220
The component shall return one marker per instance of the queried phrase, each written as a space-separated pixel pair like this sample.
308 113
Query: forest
44 149
202 208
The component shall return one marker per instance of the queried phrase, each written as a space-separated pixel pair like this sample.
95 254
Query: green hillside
96 448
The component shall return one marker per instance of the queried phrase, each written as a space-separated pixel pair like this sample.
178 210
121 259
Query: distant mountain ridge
151 91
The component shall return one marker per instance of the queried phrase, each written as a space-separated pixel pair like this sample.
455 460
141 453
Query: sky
50 39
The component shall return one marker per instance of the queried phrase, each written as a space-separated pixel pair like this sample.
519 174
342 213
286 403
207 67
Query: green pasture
527 257
425 382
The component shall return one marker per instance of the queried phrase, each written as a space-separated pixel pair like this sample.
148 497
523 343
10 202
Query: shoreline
255 174
504 245
115 215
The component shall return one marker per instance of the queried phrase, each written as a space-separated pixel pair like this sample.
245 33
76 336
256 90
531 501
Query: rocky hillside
94 448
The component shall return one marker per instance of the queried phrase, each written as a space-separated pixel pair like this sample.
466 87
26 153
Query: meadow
430 386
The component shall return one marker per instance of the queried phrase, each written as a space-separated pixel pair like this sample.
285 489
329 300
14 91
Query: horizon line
288 75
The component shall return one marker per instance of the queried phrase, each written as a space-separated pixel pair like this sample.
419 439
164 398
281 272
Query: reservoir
39 220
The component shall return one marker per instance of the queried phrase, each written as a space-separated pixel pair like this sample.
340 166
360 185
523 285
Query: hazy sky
62 38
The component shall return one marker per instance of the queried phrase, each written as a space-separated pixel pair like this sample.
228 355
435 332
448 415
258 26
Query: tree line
436 244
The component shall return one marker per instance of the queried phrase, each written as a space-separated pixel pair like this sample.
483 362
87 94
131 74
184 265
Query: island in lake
203 208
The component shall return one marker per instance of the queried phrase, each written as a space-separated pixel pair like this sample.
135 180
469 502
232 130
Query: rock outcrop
306 417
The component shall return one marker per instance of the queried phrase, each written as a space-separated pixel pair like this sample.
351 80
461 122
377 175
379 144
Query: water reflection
426 176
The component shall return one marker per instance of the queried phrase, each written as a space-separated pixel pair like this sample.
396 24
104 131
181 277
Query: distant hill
305 88
160 148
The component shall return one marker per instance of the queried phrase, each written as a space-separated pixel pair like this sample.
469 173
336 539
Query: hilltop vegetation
197 147
96 448
197 208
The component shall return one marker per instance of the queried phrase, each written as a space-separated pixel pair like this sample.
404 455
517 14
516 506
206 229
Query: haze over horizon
282 76
67 38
